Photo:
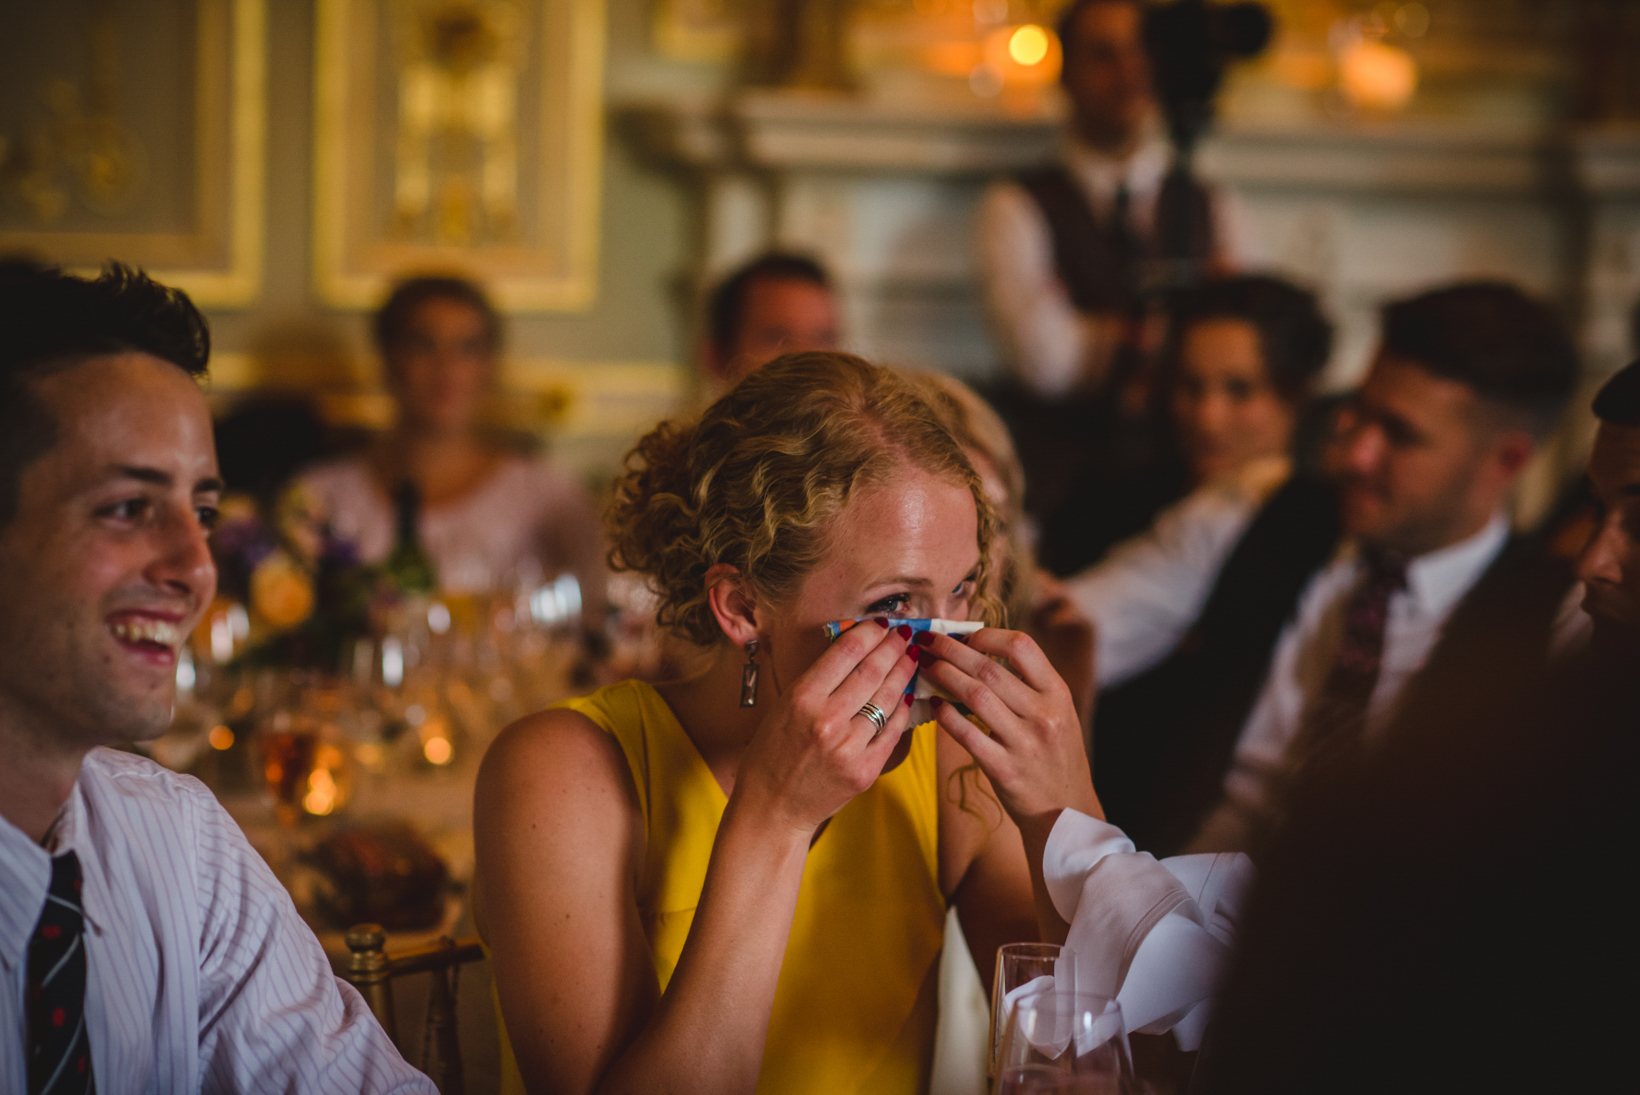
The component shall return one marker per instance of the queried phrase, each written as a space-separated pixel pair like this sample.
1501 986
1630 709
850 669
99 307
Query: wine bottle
408 565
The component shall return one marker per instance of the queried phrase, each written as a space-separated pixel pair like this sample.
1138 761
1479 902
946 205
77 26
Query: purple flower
338 552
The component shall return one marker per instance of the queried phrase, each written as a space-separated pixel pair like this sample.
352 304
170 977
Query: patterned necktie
1336 718
59 1048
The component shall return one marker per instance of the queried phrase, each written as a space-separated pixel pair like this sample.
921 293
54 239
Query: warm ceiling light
1028 45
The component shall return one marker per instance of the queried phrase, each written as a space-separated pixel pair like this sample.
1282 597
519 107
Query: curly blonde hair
761 478
980 430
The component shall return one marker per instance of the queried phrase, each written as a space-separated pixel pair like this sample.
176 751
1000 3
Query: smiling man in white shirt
144 946
1334 596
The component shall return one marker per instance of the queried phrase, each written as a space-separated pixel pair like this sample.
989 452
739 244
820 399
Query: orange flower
281 592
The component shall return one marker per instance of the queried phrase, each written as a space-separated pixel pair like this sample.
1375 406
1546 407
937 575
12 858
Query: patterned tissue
957 629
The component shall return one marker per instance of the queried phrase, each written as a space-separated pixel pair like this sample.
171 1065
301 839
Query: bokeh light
1374 76
1028 45
438 750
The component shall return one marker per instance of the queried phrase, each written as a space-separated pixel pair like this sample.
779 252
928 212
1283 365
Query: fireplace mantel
884 192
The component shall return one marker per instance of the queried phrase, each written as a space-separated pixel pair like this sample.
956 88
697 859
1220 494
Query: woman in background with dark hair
1242 367
1245 354
489 516
1242 357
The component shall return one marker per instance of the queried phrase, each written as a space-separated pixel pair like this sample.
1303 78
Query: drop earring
748 677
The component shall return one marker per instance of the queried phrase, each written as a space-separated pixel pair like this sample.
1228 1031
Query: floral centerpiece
290 592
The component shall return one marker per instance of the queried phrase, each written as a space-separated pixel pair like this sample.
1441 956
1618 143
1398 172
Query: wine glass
1065 1042
1037 1080
1024 968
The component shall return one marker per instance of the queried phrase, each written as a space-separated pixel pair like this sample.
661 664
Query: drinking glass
1037 1080
1065 1042
1024 968
306 772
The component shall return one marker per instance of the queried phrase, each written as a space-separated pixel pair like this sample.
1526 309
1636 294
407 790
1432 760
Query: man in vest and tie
144 945
1281 653
1062 252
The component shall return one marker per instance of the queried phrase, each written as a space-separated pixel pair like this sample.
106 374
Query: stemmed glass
1023 969
1068 1042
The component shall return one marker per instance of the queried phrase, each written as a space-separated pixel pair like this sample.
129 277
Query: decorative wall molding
443 146
216 254
588 412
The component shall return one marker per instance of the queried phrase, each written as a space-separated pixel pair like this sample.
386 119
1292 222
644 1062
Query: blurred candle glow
1377 77
1026 57
1028 45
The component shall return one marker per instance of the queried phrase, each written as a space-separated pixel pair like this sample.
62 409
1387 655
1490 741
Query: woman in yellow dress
738 882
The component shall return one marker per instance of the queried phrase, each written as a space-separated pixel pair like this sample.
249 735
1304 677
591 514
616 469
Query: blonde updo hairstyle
979 430
759 480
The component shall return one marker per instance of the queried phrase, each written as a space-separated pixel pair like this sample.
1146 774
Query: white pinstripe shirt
200 975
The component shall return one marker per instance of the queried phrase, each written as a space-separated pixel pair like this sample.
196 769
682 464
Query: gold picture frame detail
220 263
370 225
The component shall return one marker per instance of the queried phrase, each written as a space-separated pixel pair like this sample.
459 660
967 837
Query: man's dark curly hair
50 320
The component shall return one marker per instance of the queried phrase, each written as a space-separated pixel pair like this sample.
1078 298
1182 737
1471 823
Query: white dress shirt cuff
1154 935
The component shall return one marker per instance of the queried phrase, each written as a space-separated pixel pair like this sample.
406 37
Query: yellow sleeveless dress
857 1000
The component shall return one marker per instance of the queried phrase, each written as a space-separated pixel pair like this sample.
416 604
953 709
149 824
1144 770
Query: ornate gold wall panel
140 140
460 135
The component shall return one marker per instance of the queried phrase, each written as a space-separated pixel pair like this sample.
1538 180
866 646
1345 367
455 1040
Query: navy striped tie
59 1048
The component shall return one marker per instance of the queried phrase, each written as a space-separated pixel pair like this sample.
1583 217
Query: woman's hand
1033 756
815 751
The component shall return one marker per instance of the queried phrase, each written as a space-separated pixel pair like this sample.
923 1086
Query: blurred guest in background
1609 566
1032 601
740 881
1249 351
265 439
1456 917
1239 372
488 517
774 304
1062 254
145 946
1286 634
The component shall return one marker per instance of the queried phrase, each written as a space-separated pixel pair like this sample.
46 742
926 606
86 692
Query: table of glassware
394 736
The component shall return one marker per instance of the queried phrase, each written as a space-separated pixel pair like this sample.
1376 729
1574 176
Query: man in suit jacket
1297 650
1455 915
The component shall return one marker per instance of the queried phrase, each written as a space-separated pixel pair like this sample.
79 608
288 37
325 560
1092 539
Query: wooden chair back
372 970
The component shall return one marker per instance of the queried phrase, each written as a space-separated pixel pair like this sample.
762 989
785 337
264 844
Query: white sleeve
1155 935
1149 590
1043 338
272 1015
